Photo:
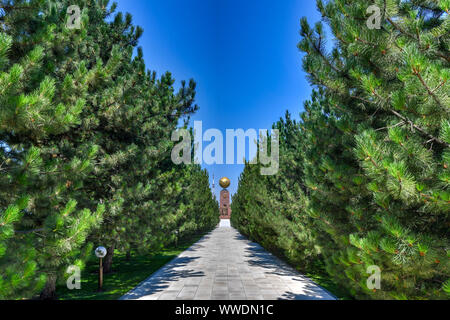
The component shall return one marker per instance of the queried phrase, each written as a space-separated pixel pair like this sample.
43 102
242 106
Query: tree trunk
107 261
128 256
49 291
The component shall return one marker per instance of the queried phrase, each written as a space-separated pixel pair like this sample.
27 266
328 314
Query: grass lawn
126 274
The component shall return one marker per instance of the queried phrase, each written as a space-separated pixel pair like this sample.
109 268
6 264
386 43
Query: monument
225 209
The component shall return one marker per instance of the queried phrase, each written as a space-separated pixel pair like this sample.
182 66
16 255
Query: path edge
290 267
160 270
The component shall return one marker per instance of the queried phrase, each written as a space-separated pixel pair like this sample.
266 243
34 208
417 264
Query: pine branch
439 86
447 58
400 29
332 66
28 231
390 127
430 92
411 123
17 7
433 138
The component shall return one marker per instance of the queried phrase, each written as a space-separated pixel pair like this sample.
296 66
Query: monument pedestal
225 210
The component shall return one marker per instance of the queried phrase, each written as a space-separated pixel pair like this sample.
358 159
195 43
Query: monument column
225 209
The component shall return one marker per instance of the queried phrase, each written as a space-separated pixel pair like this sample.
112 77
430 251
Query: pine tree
389 91
202 212
43 229
372 151
271 209
84 124
178 204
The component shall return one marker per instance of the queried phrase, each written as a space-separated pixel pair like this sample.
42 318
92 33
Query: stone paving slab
224 265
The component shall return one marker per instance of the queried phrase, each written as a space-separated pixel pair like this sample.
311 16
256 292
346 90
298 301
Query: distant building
225 209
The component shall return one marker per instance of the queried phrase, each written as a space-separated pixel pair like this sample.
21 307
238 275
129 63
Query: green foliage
372 151
271 209
85 134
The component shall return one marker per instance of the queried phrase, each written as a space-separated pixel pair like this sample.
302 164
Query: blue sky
242 54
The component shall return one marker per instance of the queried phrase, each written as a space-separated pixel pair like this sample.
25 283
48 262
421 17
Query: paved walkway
224 265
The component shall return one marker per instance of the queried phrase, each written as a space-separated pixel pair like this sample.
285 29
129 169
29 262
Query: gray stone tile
238 296
270 297
268 292
167 296
205 288
223 265
219 291
202 297
235 284
251 288
255 297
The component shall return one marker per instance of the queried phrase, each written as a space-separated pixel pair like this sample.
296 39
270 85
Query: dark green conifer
374 148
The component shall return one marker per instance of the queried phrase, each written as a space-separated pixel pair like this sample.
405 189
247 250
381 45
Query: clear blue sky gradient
242 54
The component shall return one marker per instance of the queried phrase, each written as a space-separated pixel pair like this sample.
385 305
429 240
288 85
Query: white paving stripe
224 265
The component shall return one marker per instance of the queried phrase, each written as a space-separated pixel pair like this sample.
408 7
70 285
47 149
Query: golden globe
224 182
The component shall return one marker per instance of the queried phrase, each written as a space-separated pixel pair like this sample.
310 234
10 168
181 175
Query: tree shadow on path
271 265
163 278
